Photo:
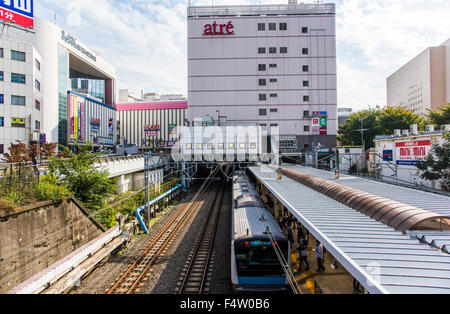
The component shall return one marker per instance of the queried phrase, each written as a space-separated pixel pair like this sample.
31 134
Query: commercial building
150 123
69 69
423 83
21 97
343 115
266 65
397 156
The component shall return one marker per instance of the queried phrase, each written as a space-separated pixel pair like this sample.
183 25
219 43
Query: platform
382 259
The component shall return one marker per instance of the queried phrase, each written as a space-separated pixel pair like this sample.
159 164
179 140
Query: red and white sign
219 29
409 153
19 12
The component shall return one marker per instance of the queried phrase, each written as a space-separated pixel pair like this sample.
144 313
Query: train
255 266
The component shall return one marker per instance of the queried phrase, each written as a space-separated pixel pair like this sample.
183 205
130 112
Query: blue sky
146 39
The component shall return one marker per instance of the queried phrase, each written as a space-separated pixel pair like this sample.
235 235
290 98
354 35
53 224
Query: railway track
136 274
196 275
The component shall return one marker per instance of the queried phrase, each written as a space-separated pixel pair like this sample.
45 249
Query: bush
14 197
49 190
352 170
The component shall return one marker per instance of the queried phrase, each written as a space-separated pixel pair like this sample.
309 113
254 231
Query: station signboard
19 12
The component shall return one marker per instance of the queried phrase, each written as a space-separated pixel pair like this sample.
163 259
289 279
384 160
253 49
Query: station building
265 65
68 69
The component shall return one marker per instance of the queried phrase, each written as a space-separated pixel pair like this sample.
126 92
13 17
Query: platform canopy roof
382 259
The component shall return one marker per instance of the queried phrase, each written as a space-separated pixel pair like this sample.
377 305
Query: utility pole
362 130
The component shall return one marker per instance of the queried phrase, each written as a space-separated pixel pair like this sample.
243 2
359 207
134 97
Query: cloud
146 39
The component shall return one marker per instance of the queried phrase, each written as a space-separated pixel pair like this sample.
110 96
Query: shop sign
19 12
410 153
219 29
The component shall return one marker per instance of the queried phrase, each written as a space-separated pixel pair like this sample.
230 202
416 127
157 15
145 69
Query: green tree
86 182
348 134
393 118
377 122
437 164
439 118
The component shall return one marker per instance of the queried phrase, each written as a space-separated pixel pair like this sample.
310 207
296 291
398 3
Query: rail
195 277
134 276
243 10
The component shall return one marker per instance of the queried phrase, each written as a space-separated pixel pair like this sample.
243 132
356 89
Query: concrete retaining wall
34 237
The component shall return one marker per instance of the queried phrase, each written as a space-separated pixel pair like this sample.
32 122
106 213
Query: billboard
410 153
19 12
76 117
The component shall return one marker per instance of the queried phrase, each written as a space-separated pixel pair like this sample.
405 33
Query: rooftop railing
288 9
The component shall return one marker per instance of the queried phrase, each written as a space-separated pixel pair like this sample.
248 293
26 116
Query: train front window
258 260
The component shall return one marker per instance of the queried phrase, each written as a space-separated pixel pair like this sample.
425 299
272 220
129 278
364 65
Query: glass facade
63 79
88 85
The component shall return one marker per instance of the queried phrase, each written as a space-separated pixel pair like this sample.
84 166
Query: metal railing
287 9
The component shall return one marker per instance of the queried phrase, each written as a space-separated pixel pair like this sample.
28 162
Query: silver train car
255 266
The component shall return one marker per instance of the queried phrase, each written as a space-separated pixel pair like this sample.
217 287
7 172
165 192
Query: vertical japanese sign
111 127
21 12
76 117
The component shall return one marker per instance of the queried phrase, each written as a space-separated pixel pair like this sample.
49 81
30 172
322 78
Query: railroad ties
136 274
196 275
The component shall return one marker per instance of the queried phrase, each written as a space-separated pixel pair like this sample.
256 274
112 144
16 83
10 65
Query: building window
2 98
2 121
37 125
273 95
37 84
38 65
261 67
274 80
262 82
261 50
283 26
2 76
273 110
304 30
306 68
18 100
220 146
306 114
18 122
273 50
17 55
17 78
262 97
37 104
231 146
274 125
261 26
262 112
306 128
305 51
272 26
283 50
306 146
2 148
1 52
306 98
272 65
305 83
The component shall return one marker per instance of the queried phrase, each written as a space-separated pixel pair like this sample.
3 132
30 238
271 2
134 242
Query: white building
423 83
397 155
271 65
69 66
21 82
